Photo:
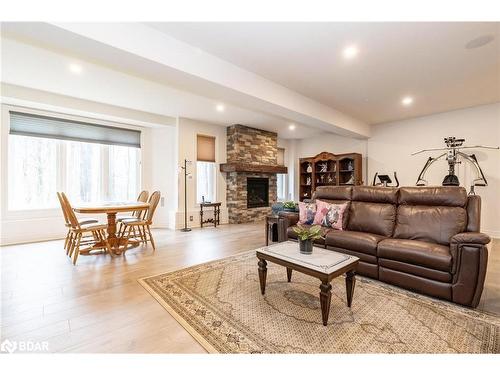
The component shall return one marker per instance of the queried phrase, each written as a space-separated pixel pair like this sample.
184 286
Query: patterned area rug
220 304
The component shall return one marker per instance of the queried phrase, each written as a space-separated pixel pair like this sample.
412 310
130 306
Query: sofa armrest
290 218
470 258
286 220
476 238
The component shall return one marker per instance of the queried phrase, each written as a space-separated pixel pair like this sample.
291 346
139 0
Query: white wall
187 131
160 172
391 144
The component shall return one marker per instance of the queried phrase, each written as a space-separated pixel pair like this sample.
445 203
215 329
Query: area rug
220 305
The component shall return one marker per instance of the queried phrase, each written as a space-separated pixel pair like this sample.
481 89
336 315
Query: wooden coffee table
322 264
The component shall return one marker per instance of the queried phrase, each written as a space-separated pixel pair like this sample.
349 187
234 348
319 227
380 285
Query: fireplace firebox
257 192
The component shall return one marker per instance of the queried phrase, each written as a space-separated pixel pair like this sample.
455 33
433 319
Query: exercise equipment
385 180
453 157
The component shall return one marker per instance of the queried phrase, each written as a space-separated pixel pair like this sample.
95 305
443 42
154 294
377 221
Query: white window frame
8 214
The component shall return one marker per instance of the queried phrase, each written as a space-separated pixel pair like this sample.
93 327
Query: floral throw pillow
307 212
330 214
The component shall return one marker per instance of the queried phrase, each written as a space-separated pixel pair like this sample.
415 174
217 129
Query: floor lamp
186 174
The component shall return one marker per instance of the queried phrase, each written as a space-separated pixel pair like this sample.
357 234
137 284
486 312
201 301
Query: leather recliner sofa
426 239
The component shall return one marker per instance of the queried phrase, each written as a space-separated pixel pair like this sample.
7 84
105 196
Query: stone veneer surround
256 147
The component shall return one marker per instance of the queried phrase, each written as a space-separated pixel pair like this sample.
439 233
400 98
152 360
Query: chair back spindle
143 197
69 211
61 202
153 203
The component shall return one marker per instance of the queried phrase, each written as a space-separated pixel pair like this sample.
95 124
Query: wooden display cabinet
327 169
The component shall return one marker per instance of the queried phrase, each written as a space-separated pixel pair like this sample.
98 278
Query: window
205 169
280 186
32 181
124 172
83 171
205 181
281 177
43 160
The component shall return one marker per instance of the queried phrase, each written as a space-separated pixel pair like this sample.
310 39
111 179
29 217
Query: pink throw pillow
307 212
330 214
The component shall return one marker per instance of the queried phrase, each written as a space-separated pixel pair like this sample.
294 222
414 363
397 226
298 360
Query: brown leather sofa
425 239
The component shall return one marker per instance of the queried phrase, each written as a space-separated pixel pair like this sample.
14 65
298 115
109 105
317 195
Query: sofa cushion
375 194
421 253
430 223
356 241
333 193
324 231
377 218
453 196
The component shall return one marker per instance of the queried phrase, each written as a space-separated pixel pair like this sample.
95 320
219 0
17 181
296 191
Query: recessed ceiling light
350 52
407 100
220 108
291 126
479 41
75 68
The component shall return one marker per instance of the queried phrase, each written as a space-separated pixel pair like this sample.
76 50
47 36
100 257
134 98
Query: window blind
281 156
50 127
205 148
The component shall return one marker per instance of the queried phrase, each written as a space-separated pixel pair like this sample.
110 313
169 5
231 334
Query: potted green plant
289 206
306 237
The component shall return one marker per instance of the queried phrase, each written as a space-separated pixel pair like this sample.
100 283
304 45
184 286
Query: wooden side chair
143 197
91 235
142 225
67 222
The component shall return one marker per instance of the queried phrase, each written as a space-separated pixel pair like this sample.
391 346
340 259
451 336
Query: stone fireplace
251 170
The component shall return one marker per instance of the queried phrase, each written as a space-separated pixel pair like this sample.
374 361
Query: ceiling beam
205 74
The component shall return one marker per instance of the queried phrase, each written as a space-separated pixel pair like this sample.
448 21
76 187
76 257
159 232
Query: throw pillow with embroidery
307 212
330 214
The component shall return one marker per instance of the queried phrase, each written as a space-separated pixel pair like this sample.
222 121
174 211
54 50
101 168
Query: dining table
117 244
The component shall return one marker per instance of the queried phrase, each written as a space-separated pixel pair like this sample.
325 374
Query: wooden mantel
247 167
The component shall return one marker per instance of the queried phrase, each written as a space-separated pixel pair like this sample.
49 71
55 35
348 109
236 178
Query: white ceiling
63 47
428 61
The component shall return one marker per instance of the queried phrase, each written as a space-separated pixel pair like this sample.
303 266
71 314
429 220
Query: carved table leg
262 275
115 242
325 297
289 274
350 282
201 216
112 239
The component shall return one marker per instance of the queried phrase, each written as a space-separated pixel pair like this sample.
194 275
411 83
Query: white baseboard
195 223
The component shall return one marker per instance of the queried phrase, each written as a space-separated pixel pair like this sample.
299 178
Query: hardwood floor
99 307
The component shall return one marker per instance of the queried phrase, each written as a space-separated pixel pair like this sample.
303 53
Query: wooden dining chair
91 235
67 222
142 225
143 197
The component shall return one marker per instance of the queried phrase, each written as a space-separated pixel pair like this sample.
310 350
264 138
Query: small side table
216 219
271 221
